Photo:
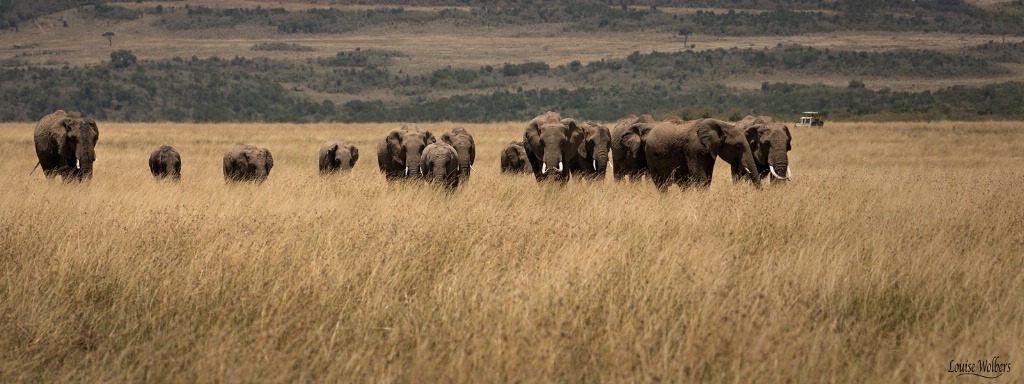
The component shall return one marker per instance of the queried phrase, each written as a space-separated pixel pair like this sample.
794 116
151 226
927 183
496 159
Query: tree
122 58
110 37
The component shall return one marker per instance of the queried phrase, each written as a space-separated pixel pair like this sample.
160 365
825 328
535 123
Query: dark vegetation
678 83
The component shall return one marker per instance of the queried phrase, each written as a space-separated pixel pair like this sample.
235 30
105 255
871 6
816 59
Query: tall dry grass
897 249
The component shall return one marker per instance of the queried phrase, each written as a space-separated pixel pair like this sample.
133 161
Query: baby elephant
243 162
513 158
336 156
165 162
440 163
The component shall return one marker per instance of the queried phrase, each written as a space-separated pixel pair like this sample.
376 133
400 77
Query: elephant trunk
344 162
439 172
86 156
750 167
778 165
552 164
465 168
412 165
601 161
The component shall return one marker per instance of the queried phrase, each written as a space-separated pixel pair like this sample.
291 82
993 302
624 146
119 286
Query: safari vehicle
811 119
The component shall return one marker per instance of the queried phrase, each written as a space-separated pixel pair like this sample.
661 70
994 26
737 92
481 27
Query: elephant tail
34 169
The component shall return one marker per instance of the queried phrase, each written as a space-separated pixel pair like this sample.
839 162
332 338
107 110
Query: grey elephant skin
552 144
770 142
440 164
244 162
629 143
513 158
592 154
66 145
165 163
398 153
337 156
465 147
684 152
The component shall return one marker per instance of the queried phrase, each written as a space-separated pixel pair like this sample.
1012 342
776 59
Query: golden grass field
897 249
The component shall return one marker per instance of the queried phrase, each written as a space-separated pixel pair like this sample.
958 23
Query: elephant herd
669 152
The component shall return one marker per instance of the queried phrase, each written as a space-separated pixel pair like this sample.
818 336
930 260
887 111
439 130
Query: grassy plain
897 250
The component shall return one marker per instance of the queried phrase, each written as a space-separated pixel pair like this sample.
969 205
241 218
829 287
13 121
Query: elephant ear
355 155
95 129
531 136
428 138
394 141
447 138
753 134
61 132
270 159
789 138
710 135
576 133
472 151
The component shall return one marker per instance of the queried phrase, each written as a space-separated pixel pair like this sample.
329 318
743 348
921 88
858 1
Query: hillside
333 60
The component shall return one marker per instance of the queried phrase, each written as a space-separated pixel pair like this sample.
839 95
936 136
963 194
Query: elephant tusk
748 170
772 170
78 164
407 170
560 167
544 169
789 173
595 164
471 168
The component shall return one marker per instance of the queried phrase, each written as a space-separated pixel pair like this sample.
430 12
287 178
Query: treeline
215 90
951 16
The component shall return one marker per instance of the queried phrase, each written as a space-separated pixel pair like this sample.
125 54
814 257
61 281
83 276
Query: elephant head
730 143
440 164
513 158
399 153
552 144
464 145
770 142
66 145
336 156
629 139
244 162
592 155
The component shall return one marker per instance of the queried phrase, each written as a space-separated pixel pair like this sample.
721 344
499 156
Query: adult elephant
66 145
592 154
683 152
244 162
629 142
464 145
336 156
770 142
165 162
398 153
552 144
513 158
440 164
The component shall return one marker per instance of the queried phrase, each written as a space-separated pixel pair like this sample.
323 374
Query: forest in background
683 83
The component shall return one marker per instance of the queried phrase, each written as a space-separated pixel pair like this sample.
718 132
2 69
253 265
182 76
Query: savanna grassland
896 250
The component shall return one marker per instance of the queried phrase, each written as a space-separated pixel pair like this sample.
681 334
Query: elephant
464 145
770 143
592 154
549 140
683 152
165 162
398 153
513 158
440 164
336 156
66 145
243 162
629 142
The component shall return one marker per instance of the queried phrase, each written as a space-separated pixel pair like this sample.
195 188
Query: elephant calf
336 156
243 162
165 162
465 147
513 158
440 163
